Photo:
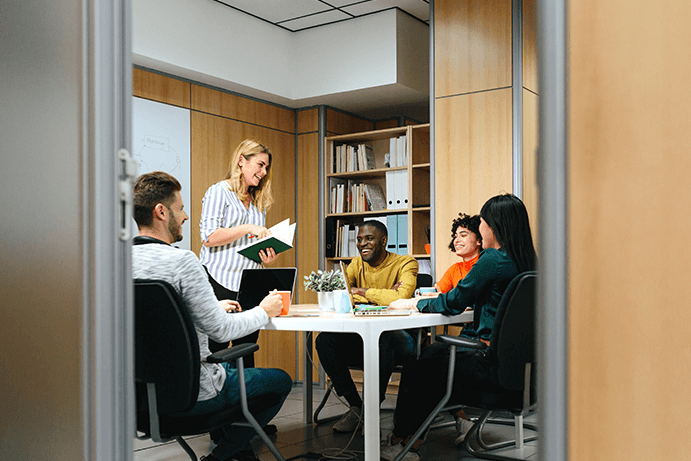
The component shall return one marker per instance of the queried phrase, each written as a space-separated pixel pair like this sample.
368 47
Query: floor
295 438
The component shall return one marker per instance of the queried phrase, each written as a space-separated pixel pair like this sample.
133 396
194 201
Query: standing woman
507 251
233 211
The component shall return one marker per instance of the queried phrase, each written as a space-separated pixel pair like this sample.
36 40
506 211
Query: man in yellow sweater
378 277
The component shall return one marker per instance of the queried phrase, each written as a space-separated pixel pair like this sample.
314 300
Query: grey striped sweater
184 272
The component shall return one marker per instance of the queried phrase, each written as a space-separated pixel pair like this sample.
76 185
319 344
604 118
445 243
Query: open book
281 239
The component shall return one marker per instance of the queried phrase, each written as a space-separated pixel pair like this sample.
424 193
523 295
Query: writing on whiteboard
156 154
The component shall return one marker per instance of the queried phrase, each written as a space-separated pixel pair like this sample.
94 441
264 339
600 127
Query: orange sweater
455 273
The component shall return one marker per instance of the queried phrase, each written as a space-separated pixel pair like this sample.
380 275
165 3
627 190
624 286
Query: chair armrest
233 353
460 341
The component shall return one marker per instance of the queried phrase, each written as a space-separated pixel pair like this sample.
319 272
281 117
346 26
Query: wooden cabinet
396 163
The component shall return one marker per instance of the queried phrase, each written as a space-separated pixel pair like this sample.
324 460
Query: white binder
400 178
390 190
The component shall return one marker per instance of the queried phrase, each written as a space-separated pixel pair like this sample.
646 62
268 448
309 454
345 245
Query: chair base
475 433
320 407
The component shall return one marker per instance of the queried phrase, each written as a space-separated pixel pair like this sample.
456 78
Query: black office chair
423 280
167 367
512 345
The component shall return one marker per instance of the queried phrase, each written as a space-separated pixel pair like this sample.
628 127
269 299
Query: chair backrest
166 348
513 336
424 280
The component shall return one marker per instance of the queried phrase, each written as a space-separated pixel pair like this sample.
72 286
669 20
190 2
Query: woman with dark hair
507 251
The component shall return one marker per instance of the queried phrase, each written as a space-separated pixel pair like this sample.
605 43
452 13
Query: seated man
378 277
158 211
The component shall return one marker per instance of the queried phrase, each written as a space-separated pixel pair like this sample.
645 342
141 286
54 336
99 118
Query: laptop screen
347 285
255 284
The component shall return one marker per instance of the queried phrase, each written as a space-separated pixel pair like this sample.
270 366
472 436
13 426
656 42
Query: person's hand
272 304
267 255
433 294
397 285
258 231
404 304
229 305
359 291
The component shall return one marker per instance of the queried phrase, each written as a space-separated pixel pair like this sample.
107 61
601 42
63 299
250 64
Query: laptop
255 284
368 310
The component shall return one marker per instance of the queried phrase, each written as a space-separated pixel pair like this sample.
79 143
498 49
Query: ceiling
296 15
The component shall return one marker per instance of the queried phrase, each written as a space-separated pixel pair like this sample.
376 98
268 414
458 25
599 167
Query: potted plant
325 283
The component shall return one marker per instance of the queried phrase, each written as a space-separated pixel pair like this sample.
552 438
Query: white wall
213 44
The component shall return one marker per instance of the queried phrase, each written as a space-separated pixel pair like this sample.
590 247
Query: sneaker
349 422
462 428
388 450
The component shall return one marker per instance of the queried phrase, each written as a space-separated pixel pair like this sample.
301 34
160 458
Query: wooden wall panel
384 124
308 121
159 88
238 108
340 123
472 45
530 140
473 159
308 212
530 46
629 362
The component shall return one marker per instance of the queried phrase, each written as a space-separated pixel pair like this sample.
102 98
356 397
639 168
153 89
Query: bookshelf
364 180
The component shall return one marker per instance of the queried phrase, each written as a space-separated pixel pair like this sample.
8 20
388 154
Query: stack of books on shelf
348 157
356 197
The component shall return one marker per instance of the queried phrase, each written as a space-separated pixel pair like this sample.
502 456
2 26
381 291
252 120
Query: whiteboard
161 142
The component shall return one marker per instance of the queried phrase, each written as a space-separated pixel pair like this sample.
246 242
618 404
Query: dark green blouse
482 288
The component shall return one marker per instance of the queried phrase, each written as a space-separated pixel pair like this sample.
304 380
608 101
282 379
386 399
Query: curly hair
472 223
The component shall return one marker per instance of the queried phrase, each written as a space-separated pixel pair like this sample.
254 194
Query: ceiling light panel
276 11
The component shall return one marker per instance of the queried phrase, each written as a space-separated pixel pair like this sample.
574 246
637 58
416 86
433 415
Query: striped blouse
221 207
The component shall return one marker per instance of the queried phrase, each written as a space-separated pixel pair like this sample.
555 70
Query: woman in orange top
466 242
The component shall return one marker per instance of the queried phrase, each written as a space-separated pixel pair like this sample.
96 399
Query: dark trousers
338 351
222 292
423 384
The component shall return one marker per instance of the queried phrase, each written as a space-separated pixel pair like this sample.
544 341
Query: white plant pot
326 301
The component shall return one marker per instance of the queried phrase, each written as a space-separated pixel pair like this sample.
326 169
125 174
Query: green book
281 239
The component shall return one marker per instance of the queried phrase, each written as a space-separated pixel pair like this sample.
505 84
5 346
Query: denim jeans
259 381
338 351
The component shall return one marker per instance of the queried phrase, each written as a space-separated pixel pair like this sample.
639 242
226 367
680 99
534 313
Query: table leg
307 387
370 340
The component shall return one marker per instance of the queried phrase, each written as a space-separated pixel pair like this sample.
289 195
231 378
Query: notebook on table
255 284
369 310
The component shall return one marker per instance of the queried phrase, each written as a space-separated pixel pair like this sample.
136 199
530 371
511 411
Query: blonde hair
260 195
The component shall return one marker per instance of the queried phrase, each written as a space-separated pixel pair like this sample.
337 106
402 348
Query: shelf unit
417 167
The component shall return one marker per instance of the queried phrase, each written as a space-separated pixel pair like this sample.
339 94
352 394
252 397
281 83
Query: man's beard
175 229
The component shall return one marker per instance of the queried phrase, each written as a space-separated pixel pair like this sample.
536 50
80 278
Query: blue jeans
259 381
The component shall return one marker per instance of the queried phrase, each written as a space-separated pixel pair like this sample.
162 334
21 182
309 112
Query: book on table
281 239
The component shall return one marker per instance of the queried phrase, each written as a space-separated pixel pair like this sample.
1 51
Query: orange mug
285 297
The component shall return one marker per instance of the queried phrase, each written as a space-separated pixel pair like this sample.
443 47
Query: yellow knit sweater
379 280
